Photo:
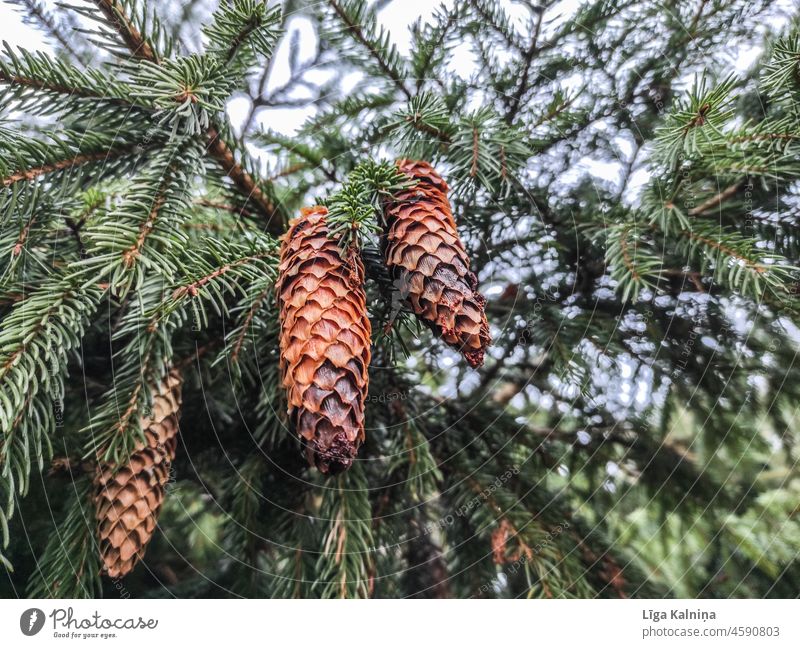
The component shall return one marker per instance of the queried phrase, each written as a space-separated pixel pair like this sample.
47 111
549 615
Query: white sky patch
397 17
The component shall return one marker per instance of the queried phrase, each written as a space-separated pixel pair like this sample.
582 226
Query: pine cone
324 343
430 265
128 497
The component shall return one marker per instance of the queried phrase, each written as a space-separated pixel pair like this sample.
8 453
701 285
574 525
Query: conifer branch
192 289
358 34
217 148
240 336
727 251
423 127
60 165
716 200
39 12
133 39
6 76
246 184
631 326
527 62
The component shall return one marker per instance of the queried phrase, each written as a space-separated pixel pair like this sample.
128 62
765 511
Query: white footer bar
387 623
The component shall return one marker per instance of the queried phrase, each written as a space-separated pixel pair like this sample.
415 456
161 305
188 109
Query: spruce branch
781 75
35 12
360 23
515 101
35 342
223 270
353 211
142 353
143 228
716 200
217 148
244 181
433 43
69 566
28 74
186 91
252 307
114 12
65 164
243 29
345 564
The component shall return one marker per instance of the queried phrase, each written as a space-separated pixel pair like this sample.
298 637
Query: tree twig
217 148
358 34
712 202
60 165
135 42
246 184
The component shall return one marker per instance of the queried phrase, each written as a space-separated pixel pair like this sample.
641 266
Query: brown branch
193 288
693 276
237 346
222 153
135 42
696 19
60 165
133 404
760 269
217 148
764 137
23 235
473 171
358 34
557 110
522 88
626 257
53 29
716 200
37 84
132 253
421 126
12 357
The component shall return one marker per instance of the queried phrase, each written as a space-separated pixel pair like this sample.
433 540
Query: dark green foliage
629 203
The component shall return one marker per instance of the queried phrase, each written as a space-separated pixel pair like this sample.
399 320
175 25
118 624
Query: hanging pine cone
430 266
324 342
128 497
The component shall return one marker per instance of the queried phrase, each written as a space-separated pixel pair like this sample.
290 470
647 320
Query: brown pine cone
324 341
429 263
129 497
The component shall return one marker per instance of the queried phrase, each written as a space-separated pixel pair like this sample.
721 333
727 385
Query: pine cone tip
334 459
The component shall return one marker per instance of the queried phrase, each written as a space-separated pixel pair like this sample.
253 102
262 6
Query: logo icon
31 621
